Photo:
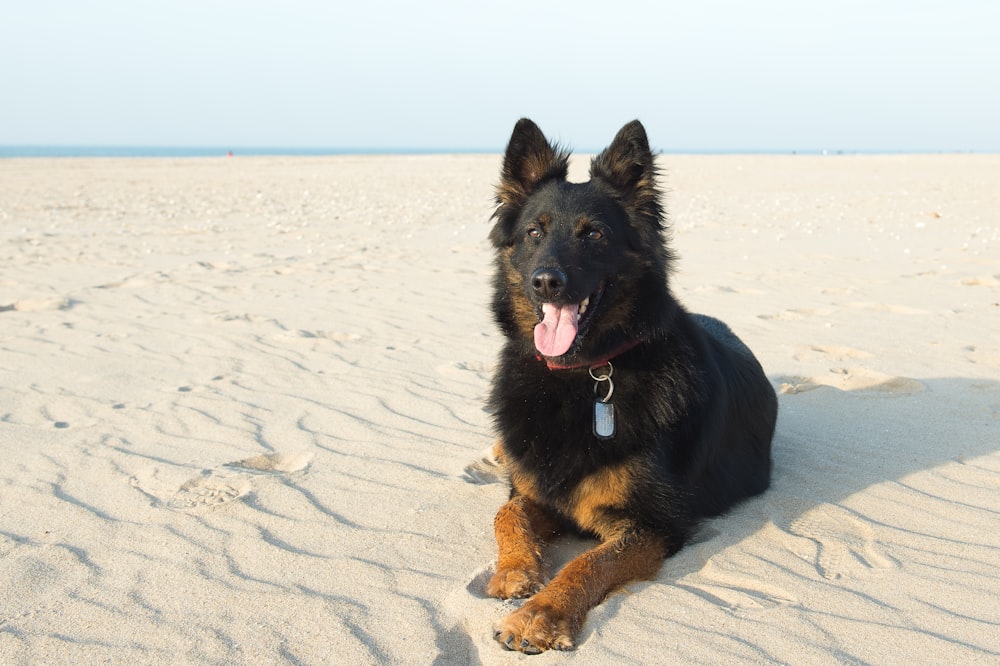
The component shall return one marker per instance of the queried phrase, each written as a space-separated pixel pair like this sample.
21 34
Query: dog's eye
534 232
595 235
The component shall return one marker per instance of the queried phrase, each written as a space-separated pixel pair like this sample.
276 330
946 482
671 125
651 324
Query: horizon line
195 150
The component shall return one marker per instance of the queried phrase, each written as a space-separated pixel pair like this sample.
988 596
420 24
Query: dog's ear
530 161
628 166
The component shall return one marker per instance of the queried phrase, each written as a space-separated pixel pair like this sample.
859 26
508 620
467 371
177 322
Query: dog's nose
548 283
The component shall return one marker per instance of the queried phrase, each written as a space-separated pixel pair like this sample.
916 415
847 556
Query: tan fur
522 528
553 617
608 488
524 312
498 454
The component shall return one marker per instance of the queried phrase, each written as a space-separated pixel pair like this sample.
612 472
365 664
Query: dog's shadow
830 446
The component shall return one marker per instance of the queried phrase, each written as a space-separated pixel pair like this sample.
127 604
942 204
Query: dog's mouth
562 327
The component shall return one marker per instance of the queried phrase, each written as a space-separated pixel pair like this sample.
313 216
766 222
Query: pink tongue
557 330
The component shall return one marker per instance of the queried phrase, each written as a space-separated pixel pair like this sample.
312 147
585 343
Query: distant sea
209 151
202 151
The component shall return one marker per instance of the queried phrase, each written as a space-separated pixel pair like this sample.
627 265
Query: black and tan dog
620 415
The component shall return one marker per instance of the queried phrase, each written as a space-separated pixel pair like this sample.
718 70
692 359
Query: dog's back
732 459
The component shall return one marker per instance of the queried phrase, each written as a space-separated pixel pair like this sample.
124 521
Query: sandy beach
242 413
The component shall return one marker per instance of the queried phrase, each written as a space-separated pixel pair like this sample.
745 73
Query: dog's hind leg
552 618
522 527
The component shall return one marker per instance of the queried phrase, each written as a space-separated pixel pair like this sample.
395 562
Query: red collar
555 365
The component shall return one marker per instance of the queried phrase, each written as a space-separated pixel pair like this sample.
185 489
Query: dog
620 415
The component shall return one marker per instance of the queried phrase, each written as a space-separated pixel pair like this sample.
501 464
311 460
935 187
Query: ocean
215 151
204 151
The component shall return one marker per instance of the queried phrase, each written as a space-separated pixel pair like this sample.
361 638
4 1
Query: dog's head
573 257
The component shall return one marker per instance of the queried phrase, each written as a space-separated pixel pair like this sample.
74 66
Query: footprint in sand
795 314
825 352
216 487
486 470
853 379
982 281
208 492
885 307
837 291
734 591
722 289
40 304
462 369
281 463
845 544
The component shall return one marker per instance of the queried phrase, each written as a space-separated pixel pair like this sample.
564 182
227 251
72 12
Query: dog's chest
589 503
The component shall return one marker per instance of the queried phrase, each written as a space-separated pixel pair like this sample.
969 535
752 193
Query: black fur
695 412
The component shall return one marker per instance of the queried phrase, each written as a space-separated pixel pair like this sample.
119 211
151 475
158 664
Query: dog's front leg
521 527
552 618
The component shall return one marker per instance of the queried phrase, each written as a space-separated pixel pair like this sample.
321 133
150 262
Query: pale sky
782 75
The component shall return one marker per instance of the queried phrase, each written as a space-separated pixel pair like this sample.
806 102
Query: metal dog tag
604 420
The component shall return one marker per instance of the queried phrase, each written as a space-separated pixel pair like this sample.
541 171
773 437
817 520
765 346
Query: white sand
241 414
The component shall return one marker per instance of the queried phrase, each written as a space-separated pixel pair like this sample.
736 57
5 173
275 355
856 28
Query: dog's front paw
536 627
515 583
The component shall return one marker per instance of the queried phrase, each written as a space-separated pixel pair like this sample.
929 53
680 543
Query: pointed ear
628 166
530 160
